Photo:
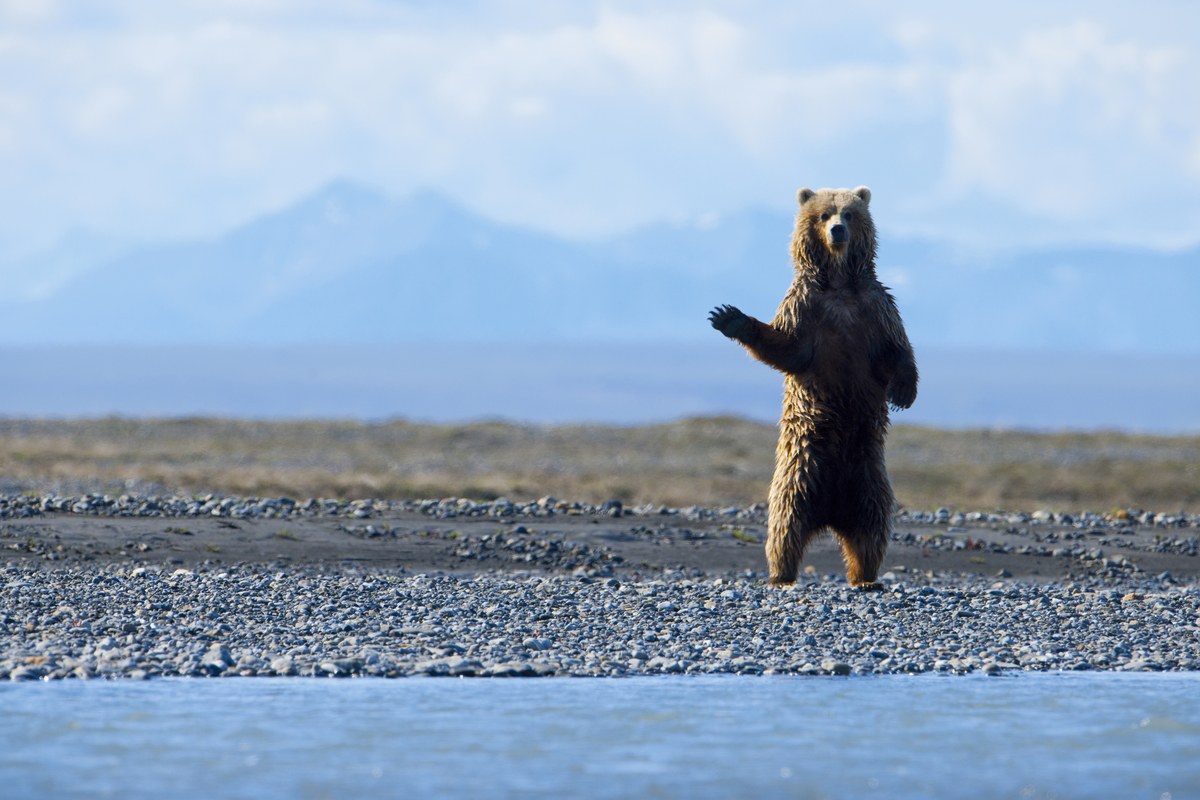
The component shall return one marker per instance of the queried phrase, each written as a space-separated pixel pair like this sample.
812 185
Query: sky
999 125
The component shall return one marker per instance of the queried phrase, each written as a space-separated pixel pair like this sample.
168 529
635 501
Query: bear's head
834 228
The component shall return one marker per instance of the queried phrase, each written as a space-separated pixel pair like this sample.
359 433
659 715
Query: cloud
1080 127
26 11
166 119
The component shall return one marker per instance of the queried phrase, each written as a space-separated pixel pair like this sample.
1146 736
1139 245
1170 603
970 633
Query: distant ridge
349 264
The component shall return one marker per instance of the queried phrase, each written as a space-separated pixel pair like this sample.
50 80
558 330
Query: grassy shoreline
703 461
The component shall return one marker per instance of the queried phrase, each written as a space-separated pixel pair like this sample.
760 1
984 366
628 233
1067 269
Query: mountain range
351 265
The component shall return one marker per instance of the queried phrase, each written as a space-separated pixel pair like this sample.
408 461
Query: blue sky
1025 123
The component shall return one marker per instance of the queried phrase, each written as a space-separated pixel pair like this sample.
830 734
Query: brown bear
839 341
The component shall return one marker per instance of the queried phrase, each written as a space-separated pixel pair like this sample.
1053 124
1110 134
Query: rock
26 673
217 660
283 665
836 667
332 669
511 669
458 666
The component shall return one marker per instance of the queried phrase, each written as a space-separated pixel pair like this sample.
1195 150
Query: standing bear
839 341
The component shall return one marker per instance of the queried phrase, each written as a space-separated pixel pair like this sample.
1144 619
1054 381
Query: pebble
83 621
19 505
87 621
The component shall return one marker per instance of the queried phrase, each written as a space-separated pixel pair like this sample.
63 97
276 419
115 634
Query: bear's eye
847 215
825 217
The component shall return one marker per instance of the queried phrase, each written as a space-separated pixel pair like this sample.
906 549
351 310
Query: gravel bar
549 613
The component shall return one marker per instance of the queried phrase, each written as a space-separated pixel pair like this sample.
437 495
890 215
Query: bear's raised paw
730 321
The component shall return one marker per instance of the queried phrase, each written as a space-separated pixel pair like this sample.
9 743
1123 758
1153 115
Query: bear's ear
863 193
805 194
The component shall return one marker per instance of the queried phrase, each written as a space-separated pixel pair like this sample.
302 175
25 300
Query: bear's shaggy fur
841 345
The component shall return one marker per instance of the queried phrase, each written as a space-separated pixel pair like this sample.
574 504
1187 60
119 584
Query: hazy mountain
351 265
40 274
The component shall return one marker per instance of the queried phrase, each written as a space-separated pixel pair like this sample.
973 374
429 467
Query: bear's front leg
787 353
902 388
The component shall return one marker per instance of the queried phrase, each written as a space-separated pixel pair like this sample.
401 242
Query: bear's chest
844 315
844 340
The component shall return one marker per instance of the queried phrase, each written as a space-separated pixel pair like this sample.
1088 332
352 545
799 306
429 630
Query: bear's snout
839 233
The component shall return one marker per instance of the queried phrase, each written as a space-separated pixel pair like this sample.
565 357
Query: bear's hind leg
789 530
785 551
796 511
863 550
862 520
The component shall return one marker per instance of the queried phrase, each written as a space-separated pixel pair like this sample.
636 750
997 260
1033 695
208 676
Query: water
562 383
1025 736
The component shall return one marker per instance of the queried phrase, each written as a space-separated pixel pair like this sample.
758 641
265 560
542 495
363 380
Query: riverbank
138 586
